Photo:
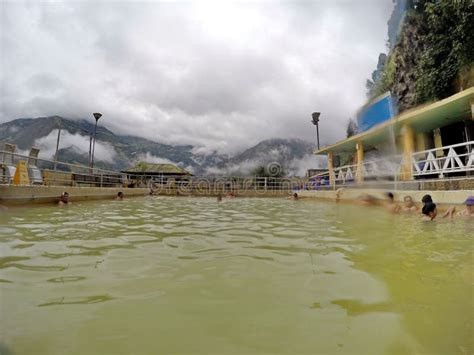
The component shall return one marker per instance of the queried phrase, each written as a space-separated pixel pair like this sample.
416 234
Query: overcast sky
217 74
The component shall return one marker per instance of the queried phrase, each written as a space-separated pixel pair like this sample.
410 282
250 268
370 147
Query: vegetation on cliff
431 52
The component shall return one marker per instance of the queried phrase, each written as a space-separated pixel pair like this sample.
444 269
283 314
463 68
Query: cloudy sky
216 74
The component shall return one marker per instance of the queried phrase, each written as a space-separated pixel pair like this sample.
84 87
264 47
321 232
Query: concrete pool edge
448 197
28 194
31 194
35 194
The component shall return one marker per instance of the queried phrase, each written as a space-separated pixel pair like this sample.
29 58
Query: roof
422 119
144 167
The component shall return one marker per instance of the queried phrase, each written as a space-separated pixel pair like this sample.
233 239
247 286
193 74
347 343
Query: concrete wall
10 194
26 194
439 197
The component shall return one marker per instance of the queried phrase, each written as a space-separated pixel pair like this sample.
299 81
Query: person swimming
391 205
408 205
119 196
469 207
64 199
426 199
294 196
468 210
219 198
429 211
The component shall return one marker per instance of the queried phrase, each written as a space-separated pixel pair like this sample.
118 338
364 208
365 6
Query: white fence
456 158
443 162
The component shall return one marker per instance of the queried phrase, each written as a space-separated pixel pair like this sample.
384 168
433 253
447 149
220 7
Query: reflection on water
188 275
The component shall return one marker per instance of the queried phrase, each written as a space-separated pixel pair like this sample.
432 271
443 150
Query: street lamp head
97 115
315 116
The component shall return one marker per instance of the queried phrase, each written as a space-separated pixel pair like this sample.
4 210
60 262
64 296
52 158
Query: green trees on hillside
448 55
433 55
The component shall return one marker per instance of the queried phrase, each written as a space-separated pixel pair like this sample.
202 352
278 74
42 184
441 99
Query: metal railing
224 185
387 169
49 172
456 158
56 173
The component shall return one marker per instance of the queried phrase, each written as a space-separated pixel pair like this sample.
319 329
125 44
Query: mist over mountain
119 152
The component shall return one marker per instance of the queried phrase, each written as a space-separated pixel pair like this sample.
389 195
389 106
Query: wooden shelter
143 173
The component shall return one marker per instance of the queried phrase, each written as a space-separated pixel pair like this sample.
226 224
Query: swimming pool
248 276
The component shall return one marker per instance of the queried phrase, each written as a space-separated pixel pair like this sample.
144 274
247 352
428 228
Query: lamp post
57 143
96 115
90 149
315 121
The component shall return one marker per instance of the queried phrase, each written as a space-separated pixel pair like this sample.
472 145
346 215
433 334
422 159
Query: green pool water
162 275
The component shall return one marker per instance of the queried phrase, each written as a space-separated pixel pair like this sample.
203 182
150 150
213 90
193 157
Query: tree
432 57
448 47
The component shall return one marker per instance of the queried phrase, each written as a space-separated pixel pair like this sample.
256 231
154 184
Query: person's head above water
120 195
470 203
295 196
64 197
429 210
408 201
426 199
390 196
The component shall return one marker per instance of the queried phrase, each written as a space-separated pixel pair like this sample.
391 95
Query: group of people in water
428 211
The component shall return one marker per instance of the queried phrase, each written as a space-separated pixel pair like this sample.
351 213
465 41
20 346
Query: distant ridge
124 151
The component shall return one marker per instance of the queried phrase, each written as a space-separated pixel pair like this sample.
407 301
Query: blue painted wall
376 112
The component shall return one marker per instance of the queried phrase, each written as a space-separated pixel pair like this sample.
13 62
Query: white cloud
47 145
150 158
295 167
216 74
242 169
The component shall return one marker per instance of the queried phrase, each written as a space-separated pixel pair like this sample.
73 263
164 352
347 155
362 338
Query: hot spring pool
162 275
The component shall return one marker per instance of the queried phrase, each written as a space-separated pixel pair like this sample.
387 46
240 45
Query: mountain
119 152
277 153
